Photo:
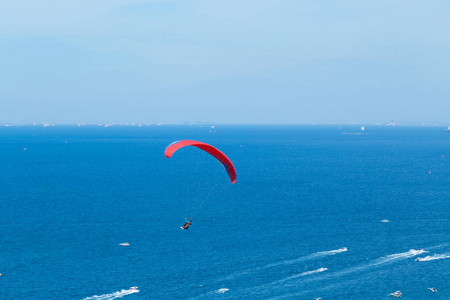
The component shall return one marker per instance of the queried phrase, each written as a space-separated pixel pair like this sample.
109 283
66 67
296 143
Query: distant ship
448 129
362 128
392 123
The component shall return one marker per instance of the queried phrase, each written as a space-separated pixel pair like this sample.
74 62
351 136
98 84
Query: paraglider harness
186 224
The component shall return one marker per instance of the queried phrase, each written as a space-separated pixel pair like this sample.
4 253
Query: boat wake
375 263
383 260
314 271
372 264
286 262
270 286
410 253
114 295
332 252
300 275
307 257
434 257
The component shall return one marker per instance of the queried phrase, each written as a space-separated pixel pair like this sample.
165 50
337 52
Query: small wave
434 257
114 295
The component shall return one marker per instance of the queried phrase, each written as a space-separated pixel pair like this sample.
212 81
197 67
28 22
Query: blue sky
224 61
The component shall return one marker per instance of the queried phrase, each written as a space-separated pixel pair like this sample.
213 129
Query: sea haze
302 221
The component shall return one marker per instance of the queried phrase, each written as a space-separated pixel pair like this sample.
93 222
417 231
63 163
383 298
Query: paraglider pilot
186 224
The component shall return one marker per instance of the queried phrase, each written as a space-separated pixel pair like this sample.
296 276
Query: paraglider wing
222 158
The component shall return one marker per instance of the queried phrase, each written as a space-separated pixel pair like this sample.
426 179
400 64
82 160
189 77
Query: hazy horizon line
199 123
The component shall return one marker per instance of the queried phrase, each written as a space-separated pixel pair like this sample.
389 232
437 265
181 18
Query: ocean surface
317 211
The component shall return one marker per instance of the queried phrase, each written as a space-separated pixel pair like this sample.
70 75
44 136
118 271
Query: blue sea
317 211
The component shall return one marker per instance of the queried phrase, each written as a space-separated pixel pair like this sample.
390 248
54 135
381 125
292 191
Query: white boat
124 244
362 128
396 294
133 288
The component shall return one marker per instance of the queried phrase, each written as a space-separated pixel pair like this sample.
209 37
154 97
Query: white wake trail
375 263
396 256
332 252
320 270
286 262
114 295
380 261
270 286
434 257
303 258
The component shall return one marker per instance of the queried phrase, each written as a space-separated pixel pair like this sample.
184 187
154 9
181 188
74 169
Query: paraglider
214 152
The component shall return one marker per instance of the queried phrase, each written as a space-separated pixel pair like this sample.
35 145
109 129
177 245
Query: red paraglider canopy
222 158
